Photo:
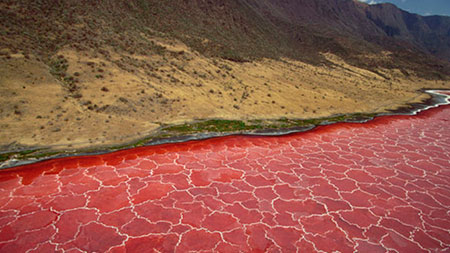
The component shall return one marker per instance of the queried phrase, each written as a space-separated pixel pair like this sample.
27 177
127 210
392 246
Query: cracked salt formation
381 186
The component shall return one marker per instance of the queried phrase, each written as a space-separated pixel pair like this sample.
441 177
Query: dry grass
124 97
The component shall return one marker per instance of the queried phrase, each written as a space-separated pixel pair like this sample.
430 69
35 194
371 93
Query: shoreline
17 158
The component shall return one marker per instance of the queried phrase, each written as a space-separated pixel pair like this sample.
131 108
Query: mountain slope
430 34
237 29
352 28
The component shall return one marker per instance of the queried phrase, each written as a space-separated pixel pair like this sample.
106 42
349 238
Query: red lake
380 186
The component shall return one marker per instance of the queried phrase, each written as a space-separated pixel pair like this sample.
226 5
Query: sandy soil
122 98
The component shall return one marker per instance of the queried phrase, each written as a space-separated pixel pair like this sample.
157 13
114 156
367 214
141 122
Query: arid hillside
90 74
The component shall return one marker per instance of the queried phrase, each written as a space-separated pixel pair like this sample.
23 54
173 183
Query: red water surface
381 186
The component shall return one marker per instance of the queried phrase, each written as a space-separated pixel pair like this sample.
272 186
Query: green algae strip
223 126
216 127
